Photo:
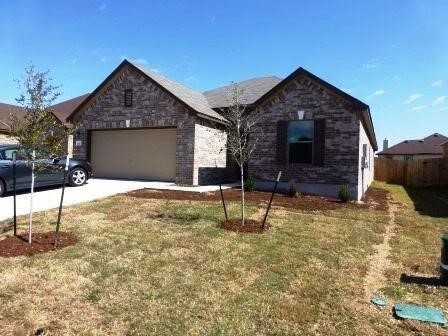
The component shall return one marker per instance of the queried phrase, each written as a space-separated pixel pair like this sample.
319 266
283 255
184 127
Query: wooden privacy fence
414 173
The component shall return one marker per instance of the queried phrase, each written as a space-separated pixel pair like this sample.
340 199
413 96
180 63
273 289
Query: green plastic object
419 313
378 301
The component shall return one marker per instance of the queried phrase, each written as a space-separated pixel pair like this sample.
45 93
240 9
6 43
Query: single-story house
61 111
5 117
138 124
426 148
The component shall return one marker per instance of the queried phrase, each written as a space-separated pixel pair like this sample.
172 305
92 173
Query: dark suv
49 171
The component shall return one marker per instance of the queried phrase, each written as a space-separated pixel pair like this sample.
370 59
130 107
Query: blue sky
393 55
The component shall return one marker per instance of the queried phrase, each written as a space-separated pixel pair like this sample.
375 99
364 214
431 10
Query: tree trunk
242 194
30 226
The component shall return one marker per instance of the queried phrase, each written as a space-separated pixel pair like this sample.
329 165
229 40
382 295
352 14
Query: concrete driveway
93 189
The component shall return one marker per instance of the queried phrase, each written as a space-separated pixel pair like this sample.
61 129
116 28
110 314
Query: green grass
157 267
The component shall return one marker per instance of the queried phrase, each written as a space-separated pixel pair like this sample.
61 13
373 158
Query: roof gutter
204 116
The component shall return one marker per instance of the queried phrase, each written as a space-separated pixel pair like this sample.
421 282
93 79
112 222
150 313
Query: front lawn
162 267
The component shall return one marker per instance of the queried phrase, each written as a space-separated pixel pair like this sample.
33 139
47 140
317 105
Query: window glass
300 141
6 154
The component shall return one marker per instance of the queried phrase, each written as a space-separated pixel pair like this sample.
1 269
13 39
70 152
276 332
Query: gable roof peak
187 96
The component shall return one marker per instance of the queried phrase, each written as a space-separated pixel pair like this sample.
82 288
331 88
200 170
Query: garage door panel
148 154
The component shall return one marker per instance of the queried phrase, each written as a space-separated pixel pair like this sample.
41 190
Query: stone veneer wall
341 137
209 153
6 139
152 107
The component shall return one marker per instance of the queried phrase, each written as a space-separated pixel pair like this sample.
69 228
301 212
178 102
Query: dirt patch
13 246
379 262
374 199
250 226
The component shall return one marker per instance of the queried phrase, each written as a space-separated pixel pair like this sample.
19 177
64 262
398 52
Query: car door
49 171
23 169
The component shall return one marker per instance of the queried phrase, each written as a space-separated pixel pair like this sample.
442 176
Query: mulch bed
250 226
13 246
374 198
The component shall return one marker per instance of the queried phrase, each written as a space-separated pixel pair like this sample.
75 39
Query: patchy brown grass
421 220
163 267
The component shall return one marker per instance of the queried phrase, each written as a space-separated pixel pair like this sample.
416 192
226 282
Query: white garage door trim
142 154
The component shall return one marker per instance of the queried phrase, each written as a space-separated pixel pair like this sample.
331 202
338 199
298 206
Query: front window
300 141
408 157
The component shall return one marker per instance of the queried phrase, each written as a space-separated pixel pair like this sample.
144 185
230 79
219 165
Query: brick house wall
342 128
152 107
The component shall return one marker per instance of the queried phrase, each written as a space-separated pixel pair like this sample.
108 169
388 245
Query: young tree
38 130
240 125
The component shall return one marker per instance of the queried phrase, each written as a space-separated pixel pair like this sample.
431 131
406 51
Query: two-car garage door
148 154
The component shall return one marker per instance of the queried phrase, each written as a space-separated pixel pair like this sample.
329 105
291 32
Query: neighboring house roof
5 115
252 90
362 107
193 99
63 109
432 144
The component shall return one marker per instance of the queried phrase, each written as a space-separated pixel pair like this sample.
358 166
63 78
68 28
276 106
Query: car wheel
78 177
2 188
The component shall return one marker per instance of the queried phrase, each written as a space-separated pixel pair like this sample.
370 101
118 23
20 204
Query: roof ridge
242 81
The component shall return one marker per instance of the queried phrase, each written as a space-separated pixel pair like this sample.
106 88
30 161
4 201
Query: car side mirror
55 160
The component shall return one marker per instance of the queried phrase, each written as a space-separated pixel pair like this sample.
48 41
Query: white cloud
372 64
379 93
396 79
419 108
441 109
439 100
412 97
437 83
102 7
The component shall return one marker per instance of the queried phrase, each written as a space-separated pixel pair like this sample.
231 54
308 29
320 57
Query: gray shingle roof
252 89
194 99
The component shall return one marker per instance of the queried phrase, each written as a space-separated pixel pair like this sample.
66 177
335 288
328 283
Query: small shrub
293 192
249 185
344 193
